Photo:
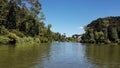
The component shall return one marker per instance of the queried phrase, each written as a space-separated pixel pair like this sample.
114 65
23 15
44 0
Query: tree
91 34
3 12
11 17
105 25
114 34
99 36
104 30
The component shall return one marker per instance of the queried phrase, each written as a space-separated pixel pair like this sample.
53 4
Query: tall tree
114 34
105 25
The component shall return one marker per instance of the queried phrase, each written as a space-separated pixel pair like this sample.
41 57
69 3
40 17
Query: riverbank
12 38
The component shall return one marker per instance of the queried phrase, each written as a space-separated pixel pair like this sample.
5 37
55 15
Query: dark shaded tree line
102 30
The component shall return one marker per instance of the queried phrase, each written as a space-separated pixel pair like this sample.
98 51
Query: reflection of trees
103 55
23 56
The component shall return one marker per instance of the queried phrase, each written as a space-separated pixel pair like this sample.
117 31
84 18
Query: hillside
22 21
103 30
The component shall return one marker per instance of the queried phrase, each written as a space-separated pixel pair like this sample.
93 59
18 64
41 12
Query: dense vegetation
102 30
22 21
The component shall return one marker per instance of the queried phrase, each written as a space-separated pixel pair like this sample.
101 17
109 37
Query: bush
29 40
91 41
13 38
4 40
18 33
25 40
107 41
3 30
44 40
37 40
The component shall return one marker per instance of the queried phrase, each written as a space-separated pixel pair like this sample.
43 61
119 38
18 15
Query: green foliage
4 40
37 40
24 24
91 33
105 23
96 35
44 40
17 16
12 36
107 41
18 33
3 30
113 34
102 30
28 40
101 35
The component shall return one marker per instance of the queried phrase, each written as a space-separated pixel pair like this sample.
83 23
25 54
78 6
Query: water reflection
23 56
60 55
103 56
67 55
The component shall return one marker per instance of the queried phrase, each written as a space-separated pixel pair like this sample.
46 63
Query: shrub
13 38
18 33
43 40
91 41
4 40
37 40
26 40
107 41
3 30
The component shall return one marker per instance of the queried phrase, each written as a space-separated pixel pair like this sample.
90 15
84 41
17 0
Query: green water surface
60 55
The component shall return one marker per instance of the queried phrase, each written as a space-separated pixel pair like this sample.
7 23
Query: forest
22 21
102 30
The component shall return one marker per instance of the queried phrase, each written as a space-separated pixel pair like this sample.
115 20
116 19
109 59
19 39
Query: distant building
79 38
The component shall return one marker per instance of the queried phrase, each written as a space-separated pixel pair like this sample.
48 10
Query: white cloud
81 27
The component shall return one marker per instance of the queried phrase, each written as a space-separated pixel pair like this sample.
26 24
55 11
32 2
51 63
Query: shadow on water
103 56
23 56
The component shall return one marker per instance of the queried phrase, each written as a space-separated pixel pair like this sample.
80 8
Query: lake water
60 55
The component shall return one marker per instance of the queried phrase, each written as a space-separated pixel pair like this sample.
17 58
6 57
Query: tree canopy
24 18
103 30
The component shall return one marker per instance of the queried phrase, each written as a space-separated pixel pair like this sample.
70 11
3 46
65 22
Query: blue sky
69 16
